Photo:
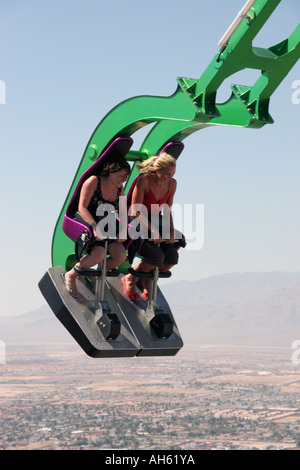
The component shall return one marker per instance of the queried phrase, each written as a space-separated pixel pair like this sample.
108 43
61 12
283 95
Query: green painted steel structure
193 106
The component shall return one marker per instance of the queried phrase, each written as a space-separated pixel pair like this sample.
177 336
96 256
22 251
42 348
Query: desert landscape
234 385
209 397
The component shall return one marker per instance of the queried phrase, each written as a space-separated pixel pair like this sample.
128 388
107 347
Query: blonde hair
159 162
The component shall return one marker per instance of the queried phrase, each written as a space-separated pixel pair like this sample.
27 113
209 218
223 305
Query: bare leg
166 267
145 281
131 279
117 254
87 261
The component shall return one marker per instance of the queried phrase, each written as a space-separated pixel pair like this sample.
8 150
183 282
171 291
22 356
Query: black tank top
98 199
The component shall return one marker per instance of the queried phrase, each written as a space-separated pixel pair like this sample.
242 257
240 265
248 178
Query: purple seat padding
72 227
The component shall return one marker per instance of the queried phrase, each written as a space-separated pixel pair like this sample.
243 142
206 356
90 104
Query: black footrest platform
96 272
149 275
110 337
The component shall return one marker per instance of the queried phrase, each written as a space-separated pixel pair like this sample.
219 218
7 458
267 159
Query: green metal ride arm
193 106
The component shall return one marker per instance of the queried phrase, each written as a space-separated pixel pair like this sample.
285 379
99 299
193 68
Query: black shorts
159 255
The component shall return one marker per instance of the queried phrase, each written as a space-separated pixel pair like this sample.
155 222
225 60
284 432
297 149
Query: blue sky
66 64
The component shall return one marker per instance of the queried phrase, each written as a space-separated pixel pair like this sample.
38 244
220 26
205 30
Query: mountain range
239 309
248 309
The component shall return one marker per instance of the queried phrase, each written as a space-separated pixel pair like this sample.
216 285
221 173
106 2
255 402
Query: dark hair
114 164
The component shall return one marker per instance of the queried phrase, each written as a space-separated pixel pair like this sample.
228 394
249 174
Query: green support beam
193 106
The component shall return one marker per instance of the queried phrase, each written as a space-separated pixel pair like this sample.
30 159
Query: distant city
209 397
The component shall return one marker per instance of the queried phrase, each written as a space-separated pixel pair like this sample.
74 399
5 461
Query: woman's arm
123 215
173 187
87 190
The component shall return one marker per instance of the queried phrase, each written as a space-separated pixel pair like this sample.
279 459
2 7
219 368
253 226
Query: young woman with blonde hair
154 189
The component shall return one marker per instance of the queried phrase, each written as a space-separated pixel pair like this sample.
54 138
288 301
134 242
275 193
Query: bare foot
70 284
129 286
